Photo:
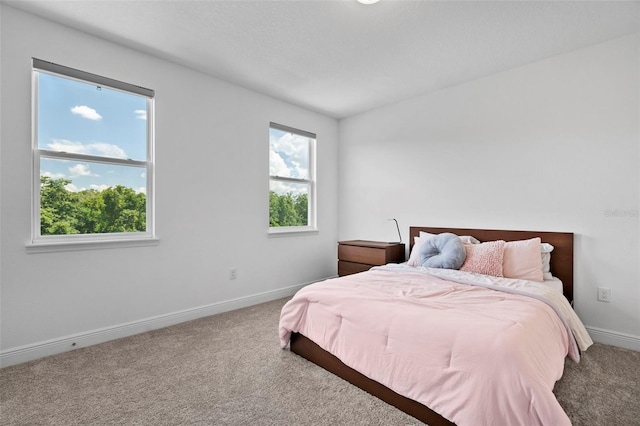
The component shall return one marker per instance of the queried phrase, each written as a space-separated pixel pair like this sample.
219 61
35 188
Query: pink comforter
475 355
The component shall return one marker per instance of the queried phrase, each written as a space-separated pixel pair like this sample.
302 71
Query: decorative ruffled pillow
444 251
485 258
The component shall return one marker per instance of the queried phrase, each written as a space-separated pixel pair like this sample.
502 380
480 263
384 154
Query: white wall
211 203
551 146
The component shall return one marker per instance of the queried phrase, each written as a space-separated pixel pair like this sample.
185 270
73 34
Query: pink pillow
522 260
485 258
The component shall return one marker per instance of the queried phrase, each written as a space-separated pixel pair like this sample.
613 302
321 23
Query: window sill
51 247
287 231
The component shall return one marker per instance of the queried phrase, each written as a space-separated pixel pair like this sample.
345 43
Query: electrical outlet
233 274
604 294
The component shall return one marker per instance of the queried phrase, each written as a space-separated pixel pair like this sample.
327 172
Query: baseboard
34 351
614 338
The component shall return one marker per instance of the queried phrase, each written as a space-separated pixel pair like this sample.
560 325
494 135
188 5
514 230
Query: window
92 157
291 180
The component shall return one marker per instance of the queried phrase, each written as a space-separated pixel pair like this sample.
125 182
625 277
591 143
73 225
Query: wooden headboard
561 257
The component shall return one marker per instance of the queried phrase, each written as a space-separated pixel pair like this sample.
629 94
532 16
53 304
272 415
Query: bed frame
561 267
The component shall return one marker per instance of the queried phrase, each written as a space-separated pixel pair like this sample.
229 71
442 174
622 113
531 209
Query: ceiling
340 57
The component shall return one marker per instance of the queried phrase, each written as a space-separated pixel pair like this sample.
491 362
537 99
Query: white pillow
414 257
546 248
466 239
545 253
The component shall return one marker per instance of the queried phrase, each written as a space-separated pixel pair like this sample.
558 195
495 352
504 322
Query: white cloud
80 170
293 150
64 145
96 148
141 190
54 175
86 112
99 188
277 166
72 188
141 114
106 150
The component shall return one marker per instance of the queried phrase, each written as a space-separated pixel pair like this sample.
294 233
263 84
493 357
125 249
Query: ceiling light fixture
368 1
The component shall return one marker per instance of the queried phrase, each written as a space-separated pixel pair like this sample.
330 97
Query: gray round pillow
444 251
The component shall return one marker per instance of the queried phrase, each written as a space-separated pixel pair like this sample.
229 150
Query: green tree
124 210
116 209
273 209
57 207
288 209
90 208
301 202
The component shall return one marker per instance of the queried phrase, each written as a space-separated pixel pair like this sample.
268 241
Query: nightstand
360 255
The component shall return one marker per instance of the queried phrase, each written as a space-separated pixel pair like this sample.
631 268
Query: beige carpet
228 369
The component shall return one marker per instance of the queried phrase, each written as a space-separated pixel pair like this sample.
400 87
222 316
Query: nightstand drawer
357 254
348 268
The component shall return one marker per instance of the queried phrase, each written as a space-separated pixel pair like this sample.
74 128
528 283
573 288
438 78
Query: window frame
311 181
44 243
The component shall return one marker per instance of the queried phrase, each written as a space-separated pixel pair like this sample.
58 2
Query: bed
327 328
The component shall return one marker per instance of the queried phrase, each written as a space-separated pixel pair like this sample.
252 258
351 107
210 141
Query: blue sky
81 118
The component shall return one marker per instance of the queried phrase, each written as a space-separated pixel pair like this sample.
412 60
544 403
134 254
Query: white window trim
312 227
284 231
52 243
50 247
